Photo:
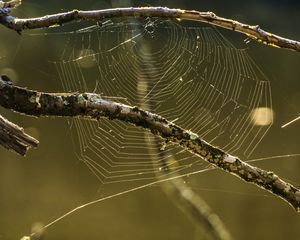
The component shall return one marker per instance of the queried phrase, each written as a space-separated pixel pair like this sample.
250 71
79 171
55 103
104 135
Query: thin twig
252 32
191 204
10 4
92 106
12 137
196 208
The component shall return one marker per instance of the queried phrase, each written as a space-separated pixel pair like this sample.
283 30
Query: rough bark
93 106
251 31
13 137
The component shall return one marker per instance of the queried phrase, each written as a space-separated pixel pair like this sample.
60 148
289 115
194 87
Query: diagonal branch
251 31
12 137
92 106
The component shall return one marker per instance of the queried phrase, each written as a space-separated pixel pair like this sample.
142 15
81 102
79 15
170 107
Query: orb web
192 76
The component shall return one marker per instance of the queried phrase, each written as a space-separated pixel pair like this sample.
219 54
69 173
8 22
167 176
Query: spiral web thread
192 76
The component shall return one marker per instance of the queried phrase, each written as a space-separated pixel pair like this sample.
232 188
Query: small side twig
252 32
90 105
12 137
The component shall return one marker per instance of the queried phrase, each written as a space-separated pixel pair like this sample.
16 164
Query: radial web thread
192 76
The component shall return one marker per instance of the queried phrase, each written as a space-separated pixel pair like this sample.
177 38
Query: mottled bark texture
12 137
92 106
252 32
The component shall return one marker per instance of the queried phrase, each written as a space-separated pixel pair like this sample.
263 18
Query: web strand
193 75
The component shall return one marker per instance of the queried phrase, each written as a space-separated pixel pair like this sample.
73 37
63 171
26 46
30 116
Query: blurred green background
50 180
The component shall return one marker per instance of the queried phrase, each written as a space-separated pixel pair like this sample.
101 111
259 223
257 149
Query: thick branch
90 105
12 137
253 32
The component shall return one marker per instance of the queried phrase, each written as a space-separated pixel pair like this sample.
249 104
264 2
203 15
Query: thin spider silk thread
113 196
167 85
172 84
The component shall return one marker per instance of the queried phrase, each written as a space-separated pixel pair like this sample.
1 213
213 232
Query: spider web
192 76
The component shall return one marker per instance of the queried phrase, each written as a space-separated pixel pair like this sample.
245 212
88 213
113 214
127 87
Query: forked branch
93 106
251 31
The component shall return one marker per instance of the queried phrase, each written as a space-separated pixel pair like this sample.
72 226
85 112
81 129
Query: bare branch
253 32
195 207
12 137
92 106
10 4
185 198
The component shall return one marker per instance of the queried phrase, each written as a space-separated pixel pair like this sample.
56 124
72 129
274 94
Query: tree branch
12 137
187 200
253 32
10 4
92 106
